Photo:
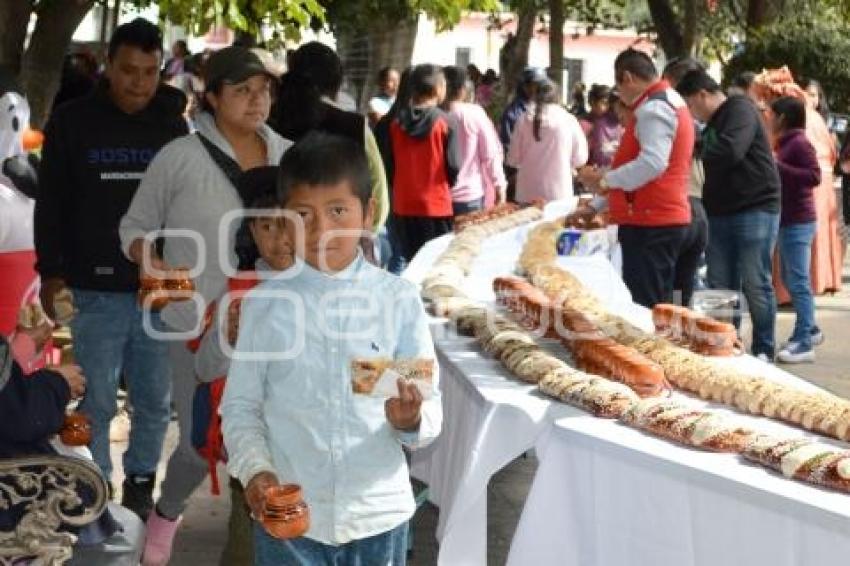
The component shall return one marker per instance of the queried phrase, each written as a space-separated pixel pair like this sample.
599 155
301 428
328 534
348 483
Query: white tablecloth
607 495
491 419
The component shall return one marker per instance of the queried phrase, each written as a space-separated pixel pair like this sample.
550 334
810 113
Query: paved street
201 537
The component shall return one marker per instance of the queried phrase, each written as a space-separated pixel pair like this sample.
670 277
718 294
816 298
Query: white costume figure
17 253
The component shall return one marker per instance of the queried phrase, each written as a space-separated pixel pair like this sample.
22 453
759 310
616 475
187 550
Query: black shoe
138 495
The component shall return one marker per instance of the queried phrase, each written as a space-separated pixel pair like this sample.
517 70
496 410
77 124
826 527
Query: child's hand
404 411
255 492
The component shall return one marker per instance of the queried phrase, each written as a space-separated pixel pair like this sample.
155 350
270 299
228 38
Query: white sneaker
817 337
796 354
764 358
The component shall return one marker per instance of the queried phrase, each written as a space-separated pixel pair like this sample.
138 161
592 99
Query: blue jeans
459 208
397 262
795 255
109 339
385 549
739 256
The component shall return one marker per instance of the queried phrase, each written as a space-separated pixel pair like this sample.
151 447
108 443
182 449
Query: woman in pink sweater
547 145
481 179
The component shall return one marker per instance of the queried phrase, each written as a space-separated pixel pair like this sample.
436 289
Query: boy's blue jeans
740 258
385 549
109 338
795 254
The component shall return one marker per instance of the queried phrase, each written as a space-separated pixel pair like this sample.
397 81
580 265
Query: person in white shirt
388 80
289 413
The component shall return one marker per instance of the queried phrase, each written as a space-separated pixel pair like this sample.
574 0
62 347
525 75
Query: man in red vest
646 189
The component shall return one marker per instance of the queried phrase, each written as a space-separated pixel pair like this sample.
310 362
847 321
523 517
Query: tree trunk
667 30
14 17
557 18
517 59
391 46
384 44
690 33
41 67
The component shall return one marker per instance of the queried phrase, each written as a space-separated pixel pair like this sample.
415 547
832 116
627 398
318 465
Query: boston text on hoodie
94 157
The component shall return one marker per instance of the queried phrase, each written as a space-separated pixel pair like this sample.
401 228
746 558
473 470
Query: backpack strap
227 164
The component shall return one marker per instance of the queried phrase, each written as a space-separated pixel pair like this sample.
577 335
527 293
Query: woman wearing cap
191 186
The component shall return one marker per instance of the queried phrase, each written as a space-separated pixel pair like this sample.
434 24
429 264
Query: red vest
421 185
664 200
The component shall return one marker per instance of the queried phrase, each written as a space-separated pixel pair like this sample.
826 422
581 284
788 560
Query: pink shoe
159 539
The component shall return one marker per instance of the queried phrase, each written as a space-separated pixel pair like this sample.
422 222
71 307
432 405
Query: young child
289 412
425 159
263 248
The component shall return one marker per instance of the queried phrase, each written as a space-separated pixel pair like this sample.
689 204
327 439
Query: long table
608 495
490 419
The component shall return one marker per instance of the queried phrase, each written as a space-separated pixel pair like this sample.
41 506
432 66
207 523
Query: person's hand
50 287
233 321
40 334
73 374
405 411
153 266
255 492
845 166
583 213
590 177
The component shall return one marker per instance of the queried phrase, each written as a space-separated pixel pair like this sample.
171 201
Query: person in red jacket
647 186
425 159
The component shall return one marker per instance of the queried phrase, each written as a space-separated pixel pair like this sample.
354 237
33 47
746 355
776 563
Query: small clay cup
76 430
285 515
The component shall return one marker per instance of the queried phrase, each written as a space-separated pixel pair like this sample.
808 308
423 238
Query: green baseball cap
234 65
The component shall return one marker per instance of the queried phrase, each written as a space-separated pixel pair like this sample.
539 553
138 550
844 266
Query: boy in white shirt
289 412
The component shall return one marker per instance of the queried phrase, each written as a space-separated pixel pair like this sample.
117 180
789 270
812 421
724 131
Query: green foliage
287 17
810 47
367 13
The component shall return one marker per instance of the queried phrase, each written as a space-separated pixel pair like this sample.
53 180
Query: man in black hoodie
741 198
96 151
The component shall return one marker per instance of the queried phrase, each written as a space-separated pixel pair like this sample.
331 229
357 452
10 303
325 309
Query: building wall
596 52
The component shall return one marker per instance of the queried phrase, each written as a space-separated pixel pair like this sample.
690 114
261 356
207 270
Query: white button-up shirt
289 408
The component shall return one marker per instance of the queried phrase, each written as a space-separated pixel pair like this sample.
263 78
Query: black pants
650 256
693 248
414 231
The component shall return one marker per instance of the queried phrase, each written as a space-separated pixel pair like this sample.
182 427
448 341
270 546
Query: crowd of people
212 162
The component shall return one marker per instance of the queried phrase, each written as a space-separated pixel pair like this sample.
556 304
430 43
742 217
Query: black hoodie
93 159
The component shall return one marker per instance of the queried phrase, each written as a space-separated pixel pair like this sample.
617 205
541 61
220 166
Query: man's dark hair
319 66
744 80
598 93
695 81
678 67
384 74
424 80
138 33
792 111
455 82
325 159
635 62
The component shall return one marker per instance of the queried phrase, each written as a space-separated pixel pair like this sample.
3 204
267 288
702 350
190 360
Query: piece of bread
63 306
802 459
365 372
31 316
688 425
